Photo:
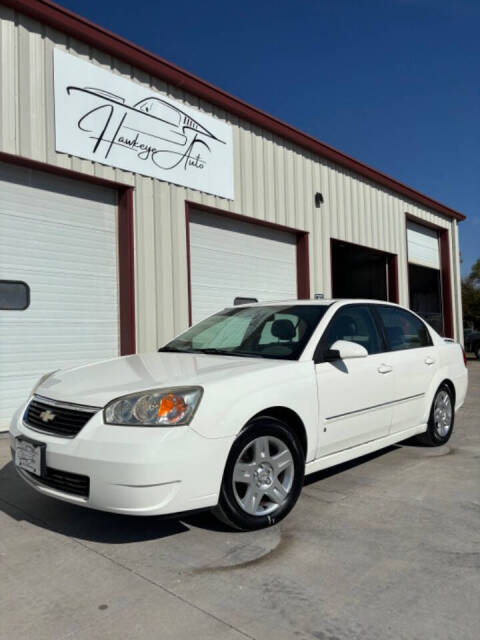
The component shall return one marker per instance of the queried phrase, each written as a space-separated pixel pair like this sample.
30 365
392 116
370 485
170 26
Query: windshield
278 331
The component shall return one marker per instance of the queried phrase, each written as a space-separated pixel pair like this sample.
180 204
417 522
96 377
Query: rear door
413 357
354 396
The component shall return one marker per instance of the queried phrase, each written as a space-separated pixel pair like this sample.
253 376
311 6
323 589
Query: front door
413 358
354 395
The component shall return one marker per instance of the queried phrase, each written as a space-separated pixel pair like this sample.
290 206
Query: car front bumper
133 470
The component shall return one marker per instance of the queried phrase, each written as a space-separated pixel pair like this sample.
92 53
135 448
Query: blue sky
394 83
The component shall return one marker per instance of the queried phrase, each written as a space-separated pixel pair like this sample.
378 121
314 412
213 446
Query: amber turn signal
172 406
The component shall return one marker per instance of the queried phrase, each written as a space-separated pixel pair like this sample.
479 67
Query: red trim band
126 270
303 266
446 282
126 265
57 17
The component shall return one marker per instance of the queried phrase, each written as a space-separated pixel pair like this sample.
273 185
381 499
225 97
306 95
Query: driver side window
355 324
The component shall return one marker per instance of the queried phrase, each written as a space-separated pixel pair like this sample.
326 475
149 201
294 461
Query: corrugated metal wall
274 181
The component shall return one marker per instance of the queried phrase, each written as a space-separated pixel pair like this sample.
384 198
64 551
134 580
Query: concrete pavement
386 547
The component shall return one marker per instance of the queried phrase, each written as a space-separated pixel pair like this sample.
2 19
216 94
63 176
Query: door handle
384 368
429 360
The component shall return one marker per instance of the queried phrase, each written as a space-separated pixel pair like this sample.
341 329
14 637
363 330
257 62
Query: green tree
471 297
475 273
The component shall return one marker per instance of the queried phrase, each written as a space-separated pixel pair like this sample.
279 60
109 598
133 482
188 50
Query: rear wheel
263 476
442 417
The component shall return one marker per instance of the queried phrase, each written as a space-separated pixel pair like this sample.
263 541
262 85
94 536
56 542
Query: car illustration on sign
235 411
152 128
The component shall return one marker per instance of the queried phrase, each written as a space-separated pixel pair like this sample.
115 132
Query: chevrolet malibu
234 412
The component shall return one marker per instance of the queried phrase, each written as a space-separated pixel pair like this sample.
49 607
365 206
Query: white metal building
136 198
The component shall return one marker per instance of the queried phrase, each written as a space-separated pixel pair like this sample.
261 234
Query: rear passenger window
403 329
356 324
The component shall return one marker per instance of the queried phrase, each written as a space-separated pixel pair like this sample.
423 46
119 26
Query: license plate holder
30 455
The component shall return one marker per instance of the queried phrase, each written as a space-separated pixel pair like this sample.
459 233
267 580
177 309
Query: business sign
103 117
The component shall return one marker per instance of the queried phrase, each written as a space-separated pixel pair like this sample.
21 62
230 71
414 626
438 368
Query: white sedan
232 414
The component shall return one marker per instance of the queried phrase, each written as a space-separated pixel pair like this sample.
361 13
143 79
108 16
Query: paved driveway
385 547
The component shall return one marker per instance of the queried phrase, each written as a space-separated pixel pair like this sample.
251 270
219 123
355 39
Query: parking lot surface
384 547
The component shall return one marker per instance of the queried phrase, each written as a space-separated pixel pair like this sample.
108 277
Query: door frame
125 240
302 254
445 270
392 266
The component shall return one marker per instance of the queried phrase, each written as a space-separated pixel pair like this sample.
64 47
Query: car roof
325 302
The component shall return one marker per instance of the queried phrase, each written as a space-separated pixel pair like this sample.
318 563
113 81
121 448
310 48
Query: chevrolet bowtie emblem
47 416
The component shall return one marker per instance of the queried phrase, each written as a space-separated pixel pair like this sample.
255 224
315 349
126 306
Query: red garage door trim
303 269
125 241
445 270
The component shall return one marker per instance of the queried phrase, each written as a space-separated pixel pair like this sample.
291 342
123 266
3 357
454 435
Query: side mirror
344 350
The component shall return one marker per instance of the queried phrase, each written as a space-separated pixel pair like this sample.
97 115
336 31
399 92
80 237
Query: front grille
56 418
65 481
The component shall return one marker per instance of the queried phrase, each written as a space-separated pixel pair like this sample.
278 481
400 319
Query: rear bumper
461 386
134 470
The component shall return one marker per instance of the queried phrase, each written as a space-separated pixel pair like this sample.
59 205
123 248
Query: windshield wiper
173 349
247 354
232 352
214 351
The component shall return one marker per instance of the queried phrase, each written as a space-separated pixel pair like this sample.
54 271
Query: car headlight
155 407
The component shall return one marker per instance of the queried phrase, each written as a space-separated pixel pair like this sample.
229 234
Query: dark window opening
358 272
426 295
14 295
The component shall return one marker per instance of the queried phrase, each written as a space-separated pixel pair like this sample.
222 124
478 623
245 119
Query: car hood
98 383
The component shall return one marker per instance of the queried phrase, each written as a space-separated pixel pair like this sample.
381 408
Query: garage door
230 258
59 237
423 246
424 279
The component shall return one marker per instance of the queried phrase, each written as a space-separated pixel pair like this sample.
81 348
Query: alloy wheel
263 476
442 413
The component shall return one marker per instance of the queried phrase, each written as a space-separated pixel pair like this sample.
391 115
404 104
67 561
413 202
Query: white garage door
230 258
423 247
58 236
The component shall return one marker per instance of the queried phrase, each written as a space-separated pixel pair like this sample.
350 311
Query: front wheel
442 417
263 476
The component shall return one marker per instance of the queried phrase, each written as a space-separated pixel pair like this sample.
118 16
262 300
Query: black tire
476 350
263 429
434 435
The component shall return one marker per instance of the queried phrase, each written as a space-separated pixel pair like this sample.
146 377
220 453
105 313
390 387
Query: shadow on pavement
345 466
21 502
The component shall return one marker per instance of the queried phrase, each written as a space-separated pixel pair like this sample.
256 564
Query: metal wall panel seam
163 265
458 284
9 81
